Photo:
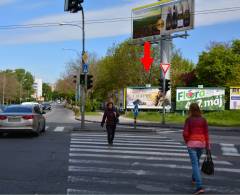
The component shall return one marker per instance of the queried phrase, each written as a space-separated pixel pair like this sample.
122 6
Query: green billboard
207 98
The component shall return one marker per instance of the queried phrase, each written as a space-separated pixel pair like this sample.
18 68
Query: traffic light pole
166 46
84 87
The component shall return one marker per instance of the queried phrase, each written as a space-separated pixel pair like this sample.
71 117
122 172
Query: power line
108 20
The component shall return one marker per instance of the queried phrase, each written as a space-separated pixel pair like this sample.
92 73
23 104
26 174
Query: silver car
22 118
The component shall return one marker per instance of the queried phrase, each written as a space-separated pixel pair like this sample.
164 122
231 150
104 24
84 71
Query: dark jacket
110 116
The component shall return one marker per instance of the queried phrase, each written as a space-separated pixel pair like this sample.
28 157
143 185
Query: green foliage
122 68
18 85
91 105
47 92
179 66
219 66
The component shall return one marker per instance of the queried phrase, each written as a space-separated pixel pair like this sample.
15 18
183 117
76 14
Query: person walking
110 116
196 137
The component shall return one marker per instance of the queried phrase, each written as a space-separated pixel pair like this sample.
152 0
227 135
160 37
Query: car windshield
18 109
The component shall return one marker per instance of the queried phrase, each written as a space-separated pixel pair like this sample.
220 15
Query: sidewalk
127 121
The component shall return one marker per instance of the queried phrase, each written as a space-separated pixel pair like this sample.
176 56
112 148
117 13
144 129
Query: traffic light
168 85
89 81
82 79
160 84
73 6
75 79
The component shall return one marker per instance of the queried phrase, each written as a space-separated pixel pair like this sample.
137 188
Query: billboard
147 98
162 18
207 98
235 98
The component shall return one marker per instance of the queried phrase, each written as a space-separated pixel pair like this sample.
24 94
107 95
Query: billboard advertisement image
235 98
147 98
163 18
207 98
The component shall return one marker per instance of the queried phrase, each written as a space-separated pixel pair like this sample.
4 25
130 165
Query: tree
26 81
9 85
66 88
219 66
47 91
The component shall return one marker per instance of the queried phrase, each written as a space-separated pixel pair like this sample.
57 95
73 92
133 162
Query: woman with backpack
196 137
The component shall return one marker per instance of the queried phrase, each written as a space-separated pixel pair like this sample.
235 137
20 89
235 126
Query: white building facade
37 86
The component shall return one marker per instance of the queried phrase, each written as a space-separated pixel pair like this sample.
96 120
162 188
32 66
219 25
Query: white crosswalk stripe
59 129
229 149
90 158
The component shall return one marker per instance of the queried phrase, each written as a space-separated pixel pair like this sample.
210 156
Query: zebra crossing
136 163
58 129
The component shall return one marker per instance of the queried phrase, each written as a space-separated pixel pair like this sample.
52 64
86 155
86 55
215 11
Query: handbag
208 165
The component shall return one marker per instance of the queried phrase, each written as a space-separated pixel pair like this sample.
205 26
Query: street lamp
84 87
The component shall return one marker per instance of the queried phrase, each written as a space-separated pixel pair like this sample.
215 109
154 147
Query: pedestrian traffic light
82 79
89 81
160 84
73 6
168 85
75 79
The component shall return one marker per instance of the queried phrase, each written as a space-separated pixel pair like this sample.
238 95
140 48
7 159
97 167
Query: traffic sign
165 67
85 68
147 60
85 57
135 110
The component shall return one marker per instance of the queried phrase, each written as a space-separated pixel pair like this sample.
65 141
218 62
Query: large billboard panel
147 98
235 98
162 18
207 98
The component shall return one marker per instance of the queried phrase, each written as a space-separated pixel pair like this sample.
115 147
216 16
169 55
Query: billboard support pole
166 47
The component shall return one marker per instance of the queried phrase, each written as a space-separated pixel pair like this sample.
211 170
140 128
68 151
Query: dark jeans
111 133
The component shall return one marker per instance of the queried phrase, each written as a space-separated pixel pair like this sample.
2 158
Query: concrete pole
166 47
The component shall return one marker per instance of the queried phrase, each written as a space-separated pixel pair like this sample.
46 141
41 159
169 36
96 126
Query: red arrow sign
165 68
147 60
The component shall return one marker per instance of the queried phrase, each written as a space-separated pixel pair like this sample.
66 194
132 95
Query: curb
176 126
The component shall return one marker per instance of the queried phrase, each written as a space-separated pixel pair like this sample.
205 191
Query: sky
41 50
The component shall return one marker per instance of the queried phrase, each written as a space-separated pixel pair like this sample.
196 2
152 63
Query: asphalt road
63 161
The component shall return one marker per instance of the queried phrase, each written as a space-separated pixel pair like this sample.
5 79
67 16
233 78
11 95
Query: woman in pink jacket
196 137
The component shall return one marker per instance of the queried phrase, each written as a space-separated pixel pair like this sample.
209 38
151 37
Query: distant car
46 106
58 101
22 118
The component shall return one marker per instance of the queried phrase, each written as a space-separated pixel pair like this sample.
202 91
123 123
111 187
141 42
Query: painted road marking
80 161
59 129
130 148
160 145
229 150
131 155
119 135
124 141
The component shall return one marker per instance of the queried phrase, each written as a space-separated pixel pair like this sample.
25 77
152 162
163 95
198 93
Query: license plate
14 120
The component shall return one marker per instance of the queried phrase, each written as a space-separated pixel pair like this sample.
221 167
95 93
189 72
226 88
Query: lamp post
83 87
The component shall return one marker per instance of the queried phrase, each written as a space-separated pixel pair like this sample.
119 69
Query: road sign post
166 47
135 113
